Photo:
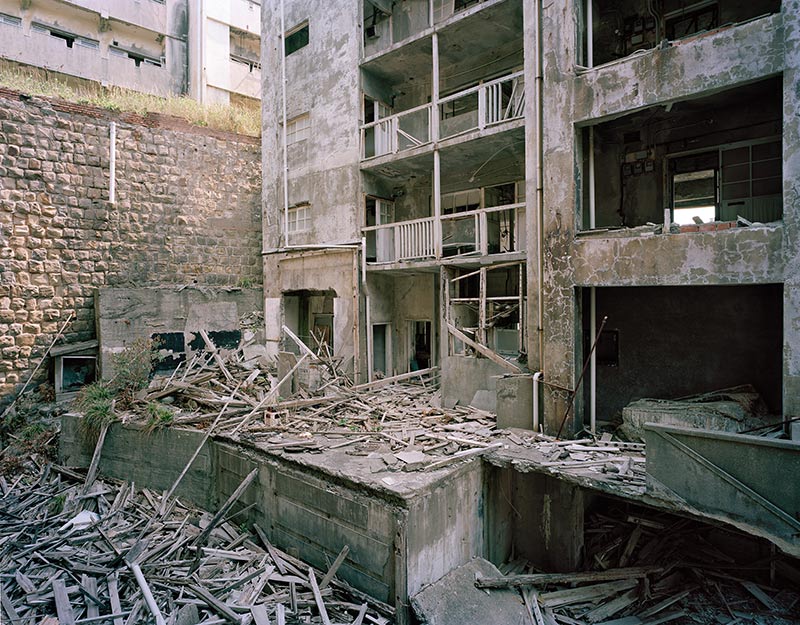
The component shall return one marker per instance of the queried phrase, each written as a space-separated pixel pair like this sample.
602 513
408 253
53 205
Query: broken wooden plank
260 616
763 597
540 579
334 567
63 605
323 613
585 593
483 350
226 507
146 593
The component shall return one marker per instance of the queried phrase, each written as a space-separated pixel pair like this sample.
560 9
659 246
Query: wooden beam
483 350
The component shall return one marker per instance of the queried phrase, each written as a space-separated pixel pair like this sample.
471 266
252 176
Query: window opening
298 128
295 39
299 218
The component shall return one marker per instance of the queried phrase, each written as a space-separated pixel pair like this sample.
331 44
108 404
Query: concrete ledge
404 530
749 481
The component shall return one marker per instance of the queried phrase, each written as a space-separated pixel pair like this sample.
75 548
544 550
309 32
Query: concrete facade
402 172
616 137
209 50
186 213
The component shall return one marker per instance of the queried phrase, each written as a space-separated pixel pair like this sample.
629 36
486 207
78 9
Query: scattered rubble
646 568
74 550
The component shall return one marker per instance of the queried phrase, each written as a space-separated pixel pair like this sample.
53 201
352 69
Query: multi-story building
399 232
434 213
164 47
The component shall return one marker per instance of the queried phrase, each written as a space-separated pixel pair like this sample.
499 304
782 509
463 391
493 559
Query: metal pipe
536 377
592 360
589 34
592 222
282 52
112 163
539 179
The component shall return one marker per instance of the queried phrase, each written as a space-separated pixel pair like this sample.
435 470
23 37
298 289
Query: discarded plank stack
75 551
648 569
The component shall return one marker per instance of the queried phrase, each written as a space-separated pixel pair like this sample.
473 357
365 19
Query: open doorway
309 314
381 349
419 345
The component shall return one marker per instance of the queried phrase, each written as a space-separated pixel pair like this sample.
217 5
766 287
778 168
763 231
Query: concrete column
560 212
791 210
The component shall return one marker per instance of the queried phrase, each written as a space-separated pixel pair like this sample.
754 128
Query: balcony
482 106
466 235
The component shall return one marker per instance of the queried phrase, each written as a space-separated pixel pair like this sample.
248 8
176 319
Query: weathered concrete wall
324 167
734 256
152 460
463 376
445 527
175 317
401 538
713 471
680 341
187 211
693 68
534 516
791 209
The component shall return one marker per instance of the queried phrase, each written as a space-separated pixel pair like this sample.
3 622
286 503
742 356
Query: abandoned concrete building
509 305
208 49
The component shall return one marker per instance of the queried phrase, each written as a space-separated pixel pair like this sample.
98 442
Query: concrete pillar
791 210
549 528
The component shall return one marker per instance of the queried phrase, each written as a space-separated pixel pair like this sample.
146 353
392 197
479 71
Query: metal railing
486 231
396 133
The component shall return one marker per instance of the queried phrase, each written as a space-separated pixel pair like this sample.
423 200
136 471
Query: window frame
293 32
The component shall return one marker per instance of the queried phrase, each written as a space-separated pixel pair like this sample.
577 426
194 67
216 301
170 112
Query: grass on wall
38 82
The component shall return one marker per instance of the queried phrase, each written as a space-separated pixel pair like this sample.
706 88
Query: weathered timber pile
645 568
74 551
398 421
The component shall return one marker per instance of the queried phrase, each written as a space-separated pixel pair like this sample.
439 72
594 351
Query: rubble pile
645 568
75 550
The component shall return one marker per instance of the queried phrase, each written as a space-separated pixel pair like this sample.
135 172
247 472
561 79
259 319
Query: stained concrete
713 471
454 599
176 315
463 376
404 530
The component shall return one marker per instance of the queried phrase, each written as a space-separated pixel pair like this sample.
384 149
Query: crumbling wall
187 211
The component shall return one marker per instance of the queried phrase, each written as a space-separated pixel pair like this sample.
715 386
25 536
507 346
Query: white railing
486 231
398 132
492 102
483 105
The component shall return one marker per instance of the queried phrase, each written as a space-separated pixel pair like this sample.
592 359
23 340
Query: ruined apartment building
208 49
477 185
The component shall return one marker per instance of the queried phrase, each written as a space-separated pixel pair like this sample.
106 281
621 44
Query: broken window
70 39
138 58
10 20
487 306
623 27
295 39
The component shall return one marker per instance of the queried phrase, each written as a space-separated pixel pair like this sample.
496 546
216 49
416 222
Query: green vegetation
132 368
33 81
96 402
158 416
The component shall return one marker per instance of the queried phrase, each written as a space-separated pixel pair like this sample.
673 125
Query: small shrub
132 368
96 402
158 416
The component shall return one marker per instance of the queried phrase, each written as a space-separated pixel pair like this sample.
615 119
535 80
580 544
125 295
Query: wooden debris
100 571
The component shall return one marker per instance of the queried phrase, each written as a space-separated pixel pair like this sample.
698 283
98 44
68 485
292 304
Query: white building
209 50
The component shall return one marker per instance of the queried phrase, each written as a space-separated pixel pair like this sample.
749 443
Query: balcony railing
481 106
398 132
486 231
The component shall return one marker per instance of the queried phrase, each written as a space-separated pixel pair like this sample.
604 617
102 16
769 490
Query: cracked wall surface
699 66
